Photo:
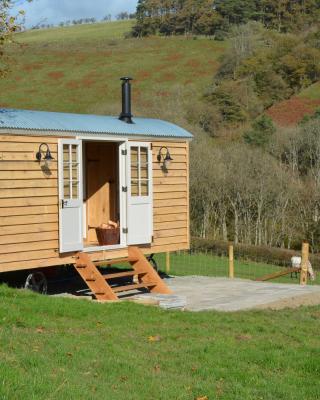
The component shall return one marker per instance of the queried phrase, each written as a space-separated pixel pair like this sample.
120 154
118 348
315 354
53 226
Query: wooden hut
64 176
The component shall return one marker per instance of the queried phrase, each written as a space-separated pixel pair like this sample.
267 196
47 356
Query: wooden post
231 262
304 263
167 262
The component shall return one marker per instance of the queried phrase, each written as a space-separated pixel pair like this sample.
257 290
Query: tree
9 24
261 132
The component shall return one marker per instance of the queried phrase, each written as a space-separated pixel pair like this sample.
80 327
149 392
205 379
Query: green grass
98 31
207 264
77 69
73 349
312 92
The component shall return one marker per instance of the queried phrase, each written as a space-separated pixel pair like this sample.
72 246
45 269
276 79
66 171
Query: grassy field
211 265
55 348
77 69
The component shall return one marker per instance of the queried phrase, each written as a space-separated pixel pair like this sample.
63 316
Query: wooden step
113 262
123 274
132 287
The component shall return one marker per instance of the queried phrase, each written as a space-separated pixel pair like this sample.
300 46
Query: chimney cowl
126 115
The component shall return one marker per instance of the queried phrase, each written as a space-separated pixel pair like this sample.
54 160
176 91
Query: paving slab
223 294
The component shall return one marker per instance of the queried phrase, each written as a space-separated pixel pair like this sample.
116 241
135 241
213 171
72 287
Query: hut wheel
37 282
153 262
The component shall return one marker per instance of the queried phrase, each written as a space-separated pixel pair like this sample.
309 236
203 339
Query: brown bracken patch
163 93
55 75
142 75
32 67
193 63
167 76
173 57
291 112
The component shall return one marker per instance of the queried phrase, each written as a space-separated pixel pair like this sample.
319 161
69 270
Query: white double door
135 185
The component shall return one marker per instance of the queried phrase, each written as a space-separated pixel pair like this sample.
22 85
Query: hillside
290 112
77 69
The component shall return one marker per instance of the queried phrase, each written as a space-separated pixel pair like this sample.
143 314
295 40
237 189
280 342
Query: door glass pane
134 156
134 188
66 172
144 188
134 172
75 190
143 155
75 173
66 154
144 172
66 189
74 152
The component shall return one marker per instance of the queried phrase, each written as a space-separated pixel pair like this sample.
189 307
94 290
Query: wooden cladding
29 222
28 202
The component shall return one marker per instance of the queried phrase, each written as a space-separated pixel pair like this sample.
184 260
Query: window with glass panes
70 172
139 171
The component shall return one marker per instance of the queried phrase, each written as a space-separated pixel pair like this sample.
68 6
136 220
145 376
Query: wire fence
206 263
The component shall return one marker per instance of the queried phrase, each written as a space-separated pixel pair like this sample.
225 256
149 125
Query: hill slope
77 69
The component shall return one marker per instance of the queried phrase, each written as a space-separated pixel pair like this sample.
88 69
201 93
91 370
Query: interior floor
101 194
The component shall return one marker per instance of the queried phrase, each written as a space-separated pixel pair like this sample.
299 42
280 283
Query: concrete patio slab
199 293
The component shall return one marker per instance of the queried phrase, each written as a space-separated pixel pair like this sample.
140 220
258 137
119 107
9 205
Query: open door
139 204
70 195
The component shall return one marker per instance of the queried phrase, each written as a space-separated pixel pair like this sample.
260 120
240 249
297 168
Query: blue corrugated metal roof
85 123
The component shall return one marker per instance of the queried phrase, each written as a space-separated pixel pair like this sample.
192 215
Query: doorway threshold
90 249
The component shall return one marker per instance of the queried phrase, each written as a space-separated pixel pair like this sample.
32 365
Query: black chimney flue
126 115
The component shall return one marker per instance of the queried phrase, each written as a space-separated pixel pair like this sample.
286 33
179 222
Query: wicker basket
108 236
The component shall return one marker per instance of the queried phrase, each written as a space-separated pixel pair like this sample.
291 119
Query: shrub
269 255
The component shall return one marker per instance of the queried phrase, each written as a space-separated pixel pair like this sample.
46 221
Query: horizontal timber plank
159 226
27 174
173 166
24 147
177 158
30 210
24 166
28 201
28 192
32 183
169 188
170 210
173 150
28 139
170 217
31 246
170 181
27 256
15 156
171 240
168 233
170 247
170 145
159 173
171 202
29 228
29 237
168 195
28 219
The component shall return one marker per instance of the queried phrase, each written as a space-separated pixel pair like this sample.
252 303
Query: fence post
231 262
304 263
168 262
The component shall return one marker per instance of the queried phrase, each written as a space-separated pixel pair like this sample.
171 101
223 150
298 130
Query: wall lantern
47 157
165 157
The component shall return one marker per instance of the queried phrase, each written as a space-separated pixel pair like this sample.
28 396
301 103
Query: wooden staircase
100 285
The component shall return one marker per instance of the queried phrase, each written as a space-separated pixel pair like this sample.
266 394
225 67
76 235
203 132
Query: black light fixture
165 158
47 157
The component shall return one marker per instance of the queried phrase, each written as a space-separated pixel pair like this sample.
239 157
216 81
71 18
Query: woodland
252 181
